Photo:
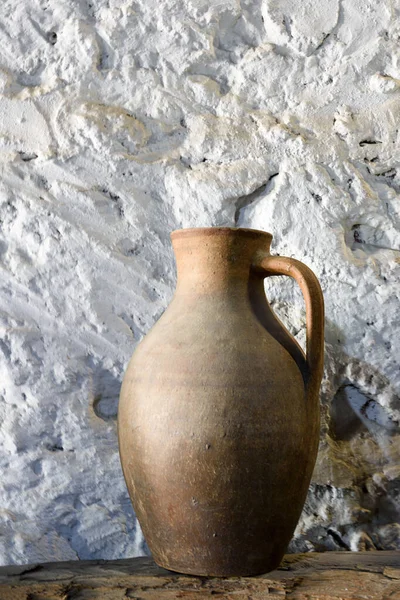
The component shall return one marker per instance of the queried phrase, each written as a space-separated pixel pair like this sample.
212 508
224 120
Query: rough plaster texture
120 121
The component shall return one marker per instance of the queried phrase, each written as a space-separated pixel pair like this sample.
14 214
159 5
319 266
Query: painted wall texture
123 120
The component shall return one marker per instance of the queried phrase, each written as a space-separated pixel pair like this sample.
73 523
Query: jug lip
205 231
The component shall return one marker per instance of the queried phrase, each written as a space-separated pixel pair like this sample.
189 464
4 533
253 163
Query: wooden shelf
327 576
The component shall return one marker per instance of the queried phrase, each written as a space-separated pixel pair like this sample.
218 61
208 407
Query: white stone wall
123 120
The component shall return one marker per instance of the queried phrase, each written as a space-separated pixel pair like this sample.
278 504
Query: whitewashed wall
120 121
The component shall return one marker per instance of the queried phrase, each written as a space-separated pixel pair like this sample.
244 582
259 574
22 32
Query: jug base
199 571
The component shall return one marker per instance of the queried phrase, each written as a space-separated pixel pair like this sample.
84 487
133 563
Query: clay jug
218 420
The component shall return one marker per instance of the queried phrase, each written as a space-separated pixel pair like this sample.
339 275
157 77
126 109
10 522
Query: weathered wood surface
328 576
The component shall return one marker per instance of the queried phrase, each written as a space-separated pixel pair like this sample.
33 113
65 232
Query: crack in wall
244 202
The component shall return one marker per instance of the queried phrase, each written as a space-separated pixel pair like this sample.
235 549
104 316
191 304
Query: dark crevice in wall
336 537
245 201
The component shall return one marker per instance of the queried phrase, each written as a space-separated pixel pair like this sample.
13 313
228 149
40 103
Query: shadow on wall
103 524
105 388
354 500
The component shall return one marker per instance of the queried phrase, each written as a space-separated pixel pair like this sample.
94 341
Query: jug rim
194 231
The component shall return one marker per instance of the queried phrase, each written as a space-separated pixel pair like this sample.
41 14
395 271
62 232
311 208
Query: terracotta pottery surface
218 419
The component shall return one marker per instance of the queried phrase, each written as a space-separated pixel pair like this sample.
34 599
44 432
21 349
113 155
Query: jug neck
217 259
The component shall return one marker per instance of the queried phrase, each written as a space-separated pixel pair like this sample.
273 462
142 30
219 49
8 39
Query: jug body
218 419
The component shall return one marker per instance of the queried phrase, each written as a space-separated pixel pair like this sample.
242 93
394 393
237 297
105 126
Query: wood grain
328 576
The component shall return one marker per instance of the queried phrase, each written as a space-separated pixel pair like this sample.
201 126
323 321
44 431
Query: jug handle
267 266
